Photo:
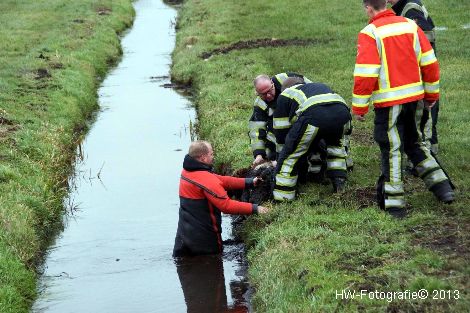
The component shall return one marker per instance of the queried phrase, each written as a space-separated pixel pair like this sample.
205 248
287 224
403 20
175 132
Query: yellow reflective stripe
431 87
336 164
395 202
427 58
258 146
323 98
270 137
252 125
336 151
281 77
295 94
384 79
395 29
283 195
254 134
367 70
426 165
315 157
314 168
417 46
398 92
302 148
286 181
369 31
307 81
394 188
395 144
434 177
417 7
281 123
360 100
260 103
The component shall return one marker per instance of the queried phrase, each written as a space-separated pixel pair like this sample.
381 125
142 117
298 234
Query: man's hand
360 118
257 181
429 104
258 160
262 209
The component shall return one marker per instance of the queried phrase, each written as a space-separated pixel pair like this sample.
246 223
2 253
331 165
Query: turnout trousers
396 131
325 123
428 126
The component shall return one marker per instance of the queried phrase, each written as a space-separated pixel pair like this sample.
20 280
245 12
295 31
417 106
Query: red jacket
203 197
395 64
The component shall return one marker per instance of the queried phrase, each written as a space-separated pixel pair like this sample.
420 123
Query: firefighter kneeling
305 115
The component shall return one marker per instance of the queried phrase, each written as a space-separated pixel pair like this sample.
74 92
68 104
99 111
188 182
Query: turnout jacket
416 11
203 197
296 100
261 121
395 64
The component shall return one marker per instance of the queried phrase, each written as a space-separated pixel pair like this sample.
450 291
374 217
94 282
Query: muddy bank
262 43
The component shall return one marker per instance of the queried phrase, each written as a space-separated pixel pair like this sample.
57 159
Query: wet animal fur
262 192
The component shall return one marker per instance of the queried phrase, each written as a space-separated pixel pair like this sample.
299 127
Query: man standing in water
203 197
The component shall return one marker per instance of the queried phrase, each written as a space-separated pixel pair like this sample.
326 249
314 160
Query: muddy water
115 252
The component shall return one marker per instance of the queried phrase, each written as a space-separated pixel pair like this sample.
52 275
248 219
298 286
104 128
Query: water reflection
203 282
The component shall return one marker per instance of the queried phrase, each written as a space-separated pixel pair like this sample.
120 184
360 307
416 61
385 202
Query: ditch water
115 252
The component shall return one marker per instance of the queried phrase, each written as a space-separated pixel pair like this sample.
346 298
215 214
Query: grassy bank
305 251
53 57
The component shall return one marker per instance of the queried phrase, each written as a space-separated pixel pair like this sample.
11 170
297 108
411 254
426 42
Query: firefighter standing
416 11
395 68
305 115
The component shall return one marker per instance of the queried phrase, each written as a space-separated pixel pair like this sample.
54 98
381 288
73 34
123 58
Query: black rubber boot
443 191
339 184
380 195
396 212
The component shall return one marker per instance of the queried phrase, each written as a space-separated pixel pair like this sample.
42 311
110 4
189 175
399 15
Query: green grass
54 54
304 251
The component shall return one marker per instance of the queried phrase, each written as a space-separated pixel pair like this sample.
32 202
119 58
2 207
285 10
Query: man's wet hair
292 81
376 4
198 148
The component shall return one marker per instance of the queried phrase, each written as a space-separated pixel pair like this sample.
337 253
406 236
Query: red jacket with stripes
395 64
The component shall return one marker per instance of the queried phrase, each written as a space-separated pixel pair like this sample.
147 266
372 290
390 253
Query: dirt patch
7 126
364 137
262 43
103 11
173 2
363 196
56 65
184 88
5 121
452 238
42 73
42 56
